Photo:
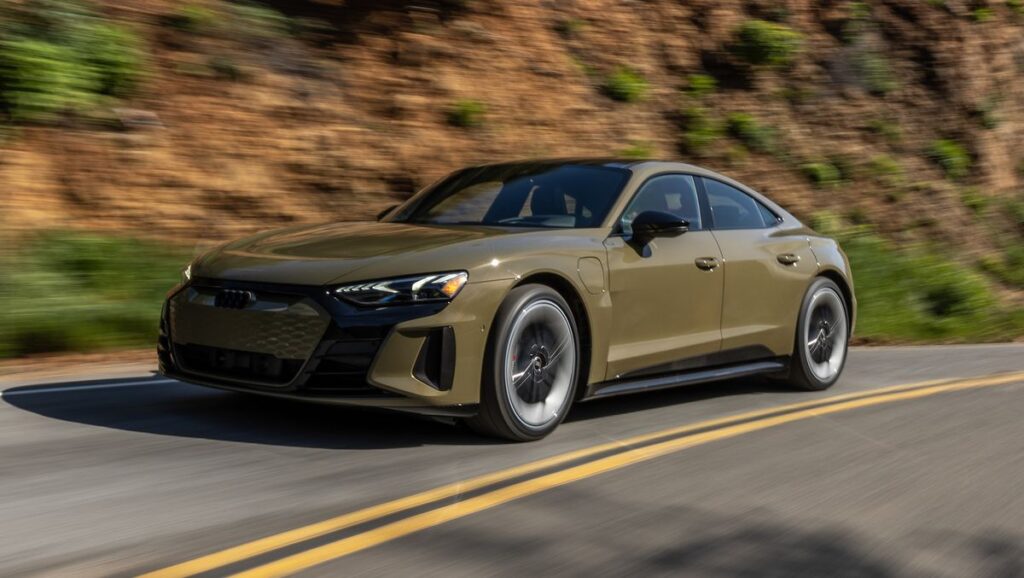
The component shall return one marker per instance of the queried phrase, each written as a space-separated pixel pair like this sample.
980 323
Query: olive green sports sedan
504 293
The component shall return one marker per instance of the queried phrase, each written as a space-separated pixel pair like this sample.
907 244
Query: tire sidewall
509 311
807 378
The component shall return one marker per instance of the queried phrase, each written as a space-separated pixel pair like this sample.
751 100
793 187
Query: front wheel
822 337
531 367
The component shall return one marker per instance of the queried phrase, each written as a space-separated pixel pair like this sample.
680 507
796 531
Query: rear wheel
531 367
822 337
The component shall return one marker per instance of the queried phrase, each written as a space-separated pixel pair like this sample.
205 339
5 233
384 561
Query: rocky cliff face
902 114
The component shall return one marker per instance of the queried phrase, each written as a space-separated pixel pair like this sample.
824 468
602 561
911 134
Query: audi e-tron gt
504 293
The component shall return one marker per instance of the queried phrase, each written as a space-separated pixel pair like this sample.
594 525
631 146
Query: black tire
806 371
498 415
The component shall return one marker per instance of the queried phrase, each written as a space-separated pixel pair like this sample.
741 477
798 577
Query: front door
666 296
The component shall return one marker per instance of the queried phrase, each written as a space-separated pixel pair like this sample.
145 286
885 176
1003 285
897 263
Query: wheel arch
572 296
847 291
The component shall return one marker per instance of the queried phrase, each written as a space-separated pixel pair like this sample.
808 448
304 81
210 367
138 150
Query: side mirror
381 214
649 225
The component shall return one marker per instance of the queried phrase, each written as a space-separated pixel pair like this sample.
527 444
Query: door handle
788 259
706 263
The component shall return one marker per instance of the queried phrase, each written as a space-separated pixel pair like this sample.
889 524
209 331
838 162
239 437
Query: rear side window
731 208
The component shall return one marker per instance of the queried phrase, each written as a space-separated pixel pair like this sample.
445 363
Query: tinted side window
675 194
731 208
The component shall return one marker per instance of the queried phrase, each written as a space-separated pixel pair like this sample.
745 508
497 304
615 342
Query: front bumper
300 342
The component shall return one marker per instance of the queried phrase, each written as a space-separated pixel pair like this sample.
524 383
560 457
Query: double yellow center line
625 452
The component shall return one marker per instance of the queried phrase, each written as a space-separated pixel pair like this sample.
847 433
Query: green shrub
982 14
886 169
876 74
754 135
626 85
763 43
56 59
952 157
1007 267
1015 208
42 79
113 52
259 21
822 174
917 295
637 150
974 200
192 17
78 292
701 85
886 128
467 113
700 129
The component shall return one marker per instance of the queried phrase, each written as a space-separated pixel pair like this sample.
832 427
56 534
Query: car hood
322 254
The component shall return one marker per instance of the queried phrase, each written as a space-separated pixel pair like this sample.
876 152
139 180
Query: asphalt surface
122 477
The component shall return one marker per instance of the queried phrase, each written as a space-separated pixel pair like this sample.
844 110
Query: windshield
519 195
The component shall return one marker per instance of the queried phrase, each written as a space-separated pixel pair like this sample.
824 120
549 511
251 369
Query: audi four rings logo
233 299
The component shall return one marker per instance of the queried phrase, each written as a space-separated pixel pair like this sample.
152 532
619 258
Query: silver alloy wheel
540 363
825 331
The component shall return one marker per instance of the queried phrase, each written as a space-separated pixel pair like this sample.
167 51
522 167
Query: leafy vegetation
952 157
916 294
764 43
259 21
886 170
62 60
638 150
79 291
192 17
875 72
701 85
974 200
886 128
750 132
626 85
700 129
982 14
822 173
467 113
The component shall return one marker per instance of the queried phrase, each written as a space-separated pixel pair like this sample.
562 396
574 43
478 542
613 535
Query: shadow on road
183 410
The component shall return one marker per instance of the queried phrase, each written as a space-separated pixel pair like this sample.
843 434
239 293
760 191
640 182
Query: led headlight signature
415 289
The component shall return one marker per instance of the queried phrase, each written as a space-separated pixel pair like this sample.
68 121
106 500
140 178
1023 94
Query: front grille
240 365
247 335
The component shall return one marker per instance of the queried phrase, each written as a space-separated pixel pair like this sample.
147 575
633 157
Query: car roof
611 162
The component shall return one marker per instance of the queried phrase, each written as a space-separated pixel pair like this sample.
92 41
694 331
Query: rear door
765 271
666 296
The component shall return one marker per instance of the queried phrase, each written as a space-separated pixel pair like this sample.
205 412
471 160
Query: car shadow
178 409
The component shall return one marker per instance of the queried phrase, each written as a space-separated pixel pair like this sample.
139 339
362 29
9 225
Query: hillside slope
899 117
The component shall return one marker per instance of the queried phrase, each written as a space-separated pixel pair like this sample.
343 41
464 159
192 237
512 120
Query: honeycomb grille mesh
291 332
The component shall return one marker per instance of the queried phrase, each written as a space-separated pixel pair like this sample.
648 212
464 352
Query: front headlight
404 290
186 274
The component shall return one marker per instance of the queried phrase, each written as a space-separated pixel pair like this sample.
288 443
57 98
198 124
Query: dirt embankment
352 105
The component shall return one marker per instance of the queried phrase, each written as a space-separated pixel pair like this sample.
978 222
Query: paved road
130 476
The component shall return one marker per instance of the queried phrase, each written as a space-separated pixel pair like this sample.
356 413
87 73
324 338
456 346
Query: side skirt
692 377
